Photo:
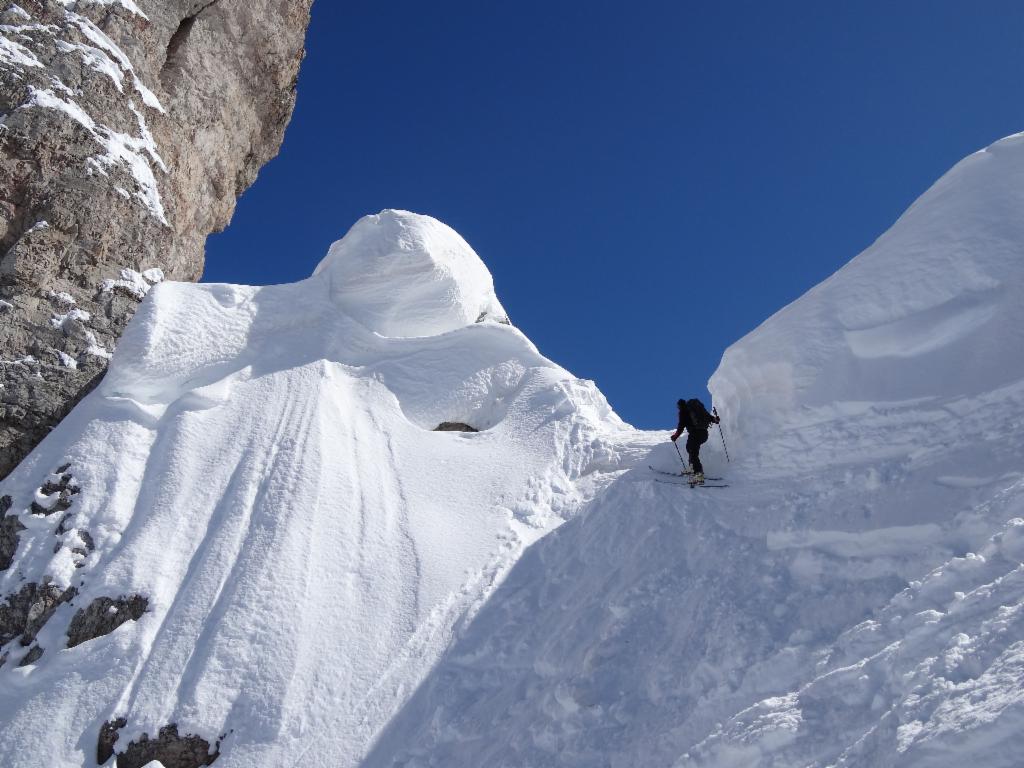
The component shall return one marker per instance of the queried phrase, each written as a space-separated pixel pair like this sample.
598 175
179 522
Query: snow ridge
330 581
269 489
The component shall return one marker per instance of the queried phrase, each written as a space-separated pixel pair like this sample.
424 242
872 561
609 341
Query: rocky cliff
128 129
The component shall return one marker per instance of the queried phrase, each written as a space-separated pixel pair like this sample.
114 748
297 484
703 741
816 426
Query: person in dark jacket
697 434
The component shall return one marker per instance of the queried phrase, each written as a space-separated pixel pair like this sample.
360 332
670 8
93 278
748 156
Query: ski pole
685 465
721 433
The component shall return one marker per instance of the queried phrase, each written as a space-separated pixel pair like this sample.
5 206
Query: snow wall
944 283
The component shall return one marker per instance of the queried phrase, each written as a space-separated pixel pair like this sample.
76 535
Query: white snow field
260 465
855 597
331 583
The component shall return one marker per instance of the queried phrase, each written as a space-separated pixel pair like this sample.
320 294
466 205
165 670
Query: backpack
699 416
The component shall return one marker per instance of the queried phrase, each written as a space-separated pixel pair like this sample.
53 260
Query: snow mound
944 283
260 467
403 274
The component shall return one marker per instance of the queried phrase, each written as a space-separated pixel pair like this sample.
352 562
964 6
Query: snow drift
944 284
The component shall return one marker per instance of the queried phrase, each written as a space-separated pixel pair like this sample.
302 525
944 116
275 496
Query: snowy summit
360 520
401 274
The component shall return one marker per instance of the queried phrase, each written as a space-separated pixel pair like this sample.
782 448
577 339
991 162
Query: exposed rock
27 610
50 487
86 538
34 654
108 738
454 426
125 139
10 527
62 504
103 616
169 748
63 489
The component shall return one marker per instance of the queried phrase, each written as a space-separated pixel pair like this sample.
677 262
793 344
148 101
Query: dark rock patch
169 748
10 527
502 319
102 616
31 657
64 489
63 504
86 538
83 550
27 610
108 738
454 426
62 526
49 487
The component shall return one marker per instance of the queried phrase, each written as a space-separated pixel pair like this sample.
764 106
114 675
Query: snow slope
259 464
330 582
855 597
932 308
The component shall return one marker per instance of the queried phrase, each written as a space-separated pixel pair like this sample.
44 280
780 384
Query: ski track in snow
331 583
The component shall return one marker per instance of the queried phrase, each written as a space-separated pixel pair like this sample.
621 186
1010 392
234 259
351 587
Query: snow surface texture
405 275
260 465
331 583
854 598
944 284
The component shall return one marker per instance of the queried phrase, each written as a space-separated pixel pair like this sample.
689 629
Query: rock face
128 129
169 748
103 616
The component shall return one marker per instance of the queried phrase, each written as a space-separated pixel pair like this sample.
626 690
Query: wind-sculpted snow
852 598
259 477
402 276
944 284
302 571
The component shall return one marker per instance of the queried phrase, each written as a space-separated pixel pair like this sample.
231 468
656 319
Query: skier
695 419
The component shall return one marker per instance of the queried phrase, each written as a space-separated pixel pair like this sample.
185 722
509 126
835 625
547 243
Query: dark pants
694 441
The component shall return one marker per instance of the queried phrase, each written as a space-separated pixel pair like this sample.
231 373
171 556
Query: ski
680 474
693 485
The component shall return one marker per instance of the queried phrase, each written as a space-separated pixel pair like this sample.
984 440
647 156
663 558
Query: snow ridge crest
403 274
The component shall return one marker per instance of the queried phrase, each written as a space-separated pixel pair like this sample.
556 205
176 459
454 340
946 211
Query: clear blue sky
647 181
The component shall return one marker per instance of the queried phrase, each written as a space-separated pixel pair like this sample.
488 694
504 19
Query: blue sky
647 181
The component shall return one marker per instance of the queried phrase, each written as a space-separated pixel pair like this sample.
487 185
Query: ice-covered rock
403 274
